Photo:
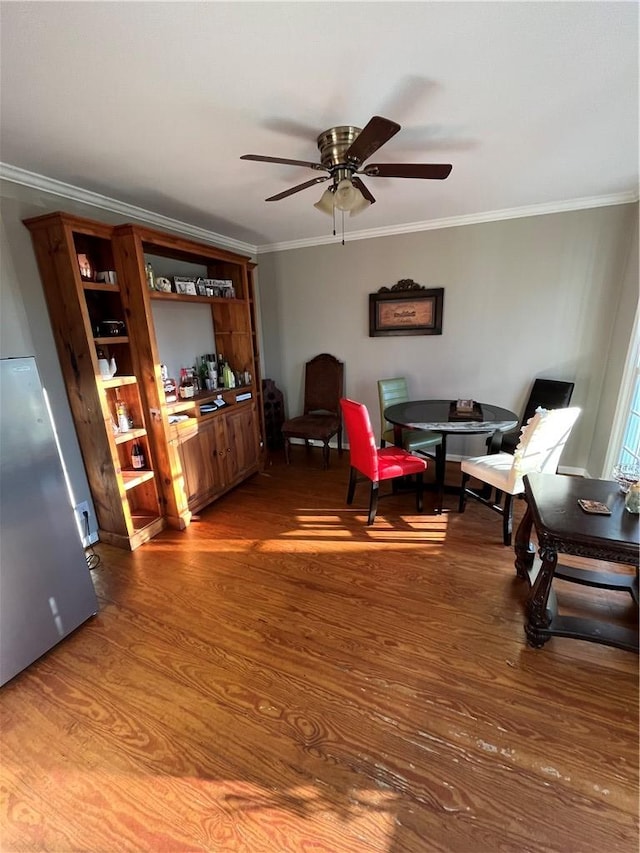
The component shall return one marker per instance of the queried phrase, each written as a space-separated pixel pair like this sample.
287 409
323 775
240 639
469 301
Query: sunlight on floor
365 815
328 531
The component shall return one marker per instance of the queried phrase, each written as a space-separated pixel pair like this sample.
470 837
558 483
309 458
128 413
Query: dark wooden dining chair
321 419
376 465
545 394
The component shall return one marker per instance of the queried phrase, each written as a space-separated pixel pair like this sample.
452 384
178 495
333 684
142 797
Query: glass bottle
122 416
229 378
151 279
137 456
186 384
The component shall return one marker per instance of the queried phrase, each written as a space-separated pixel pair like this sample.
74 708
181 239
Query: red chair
375 464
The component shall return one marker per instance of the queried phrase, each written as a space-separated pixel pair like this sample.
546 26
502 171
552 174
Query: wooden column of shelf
127 511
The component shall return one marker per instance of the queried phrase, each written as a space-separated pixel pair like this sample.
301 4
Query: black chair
547 393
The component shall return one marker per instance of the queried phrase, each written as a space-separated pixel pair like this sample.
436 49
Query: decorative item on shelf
163 285
185 285
625 474
106 367
111 329
107 277
151 279
86 269
137 456
632 499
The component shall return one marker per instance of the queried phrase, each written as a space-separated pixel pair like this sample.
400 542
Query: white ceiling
152 104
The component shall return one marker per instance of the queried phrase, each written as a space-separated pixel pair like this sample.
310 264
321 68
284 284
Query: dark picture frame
406 311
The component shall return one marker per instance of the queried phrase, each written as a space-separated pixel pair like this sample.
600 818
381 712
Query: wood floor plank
281 677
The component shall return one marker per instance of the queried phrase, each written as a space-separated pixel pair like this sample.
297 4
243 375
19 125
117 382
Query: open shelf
122 437
119 381
189 297
133 478
100 285
114 339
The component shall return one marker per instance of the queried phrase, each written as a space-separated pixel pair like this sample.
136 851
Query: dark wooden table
563 527
435 416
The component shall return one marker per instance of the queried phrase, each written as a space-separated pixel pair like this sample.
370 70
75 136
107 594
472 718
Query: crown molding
49 185
16 175
456 221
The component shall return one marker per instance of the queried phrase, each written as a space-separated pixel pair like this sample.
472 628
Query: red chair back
362 442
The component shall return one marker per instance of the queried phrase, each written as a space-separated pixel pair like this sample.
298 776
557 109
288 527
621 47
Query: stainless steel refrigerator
46 590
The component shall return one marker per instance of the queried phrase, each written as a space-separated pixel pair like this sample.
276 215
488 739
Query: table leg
524 549
538 616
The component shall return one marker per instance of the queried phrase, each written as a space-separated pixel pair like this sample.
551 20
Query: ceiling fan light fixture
347 197
363 204
325 205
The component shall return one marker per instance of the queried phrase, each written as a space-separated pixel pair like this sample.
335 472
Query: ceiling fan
343 151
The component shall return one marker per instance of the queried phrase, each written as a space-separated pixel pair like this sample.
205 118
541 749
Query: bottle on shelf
212 373
168 385
186 389
228 376
122 416
220 370
137 456
151 279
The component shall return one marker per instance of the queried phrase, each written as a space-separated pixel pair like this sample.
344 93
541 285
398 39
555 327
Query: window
625 444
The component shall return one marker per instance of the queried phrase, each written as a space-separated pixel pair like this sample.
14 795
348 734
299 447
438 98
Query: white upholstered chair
542 441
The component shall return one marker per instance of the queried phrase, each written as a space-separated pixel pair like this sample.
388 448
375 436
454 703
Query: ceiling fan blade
373 135
317 166
434 171
298 188
365 192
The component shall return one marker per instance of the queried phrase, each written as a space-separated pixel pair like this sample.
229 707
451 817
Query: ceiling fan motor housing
333 143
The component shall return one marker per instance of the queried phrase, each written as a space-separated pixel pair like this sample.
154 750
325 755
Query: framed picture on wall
406 312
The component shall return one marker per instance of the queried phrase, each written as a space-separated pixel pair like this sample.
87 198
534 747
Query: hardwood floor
280 677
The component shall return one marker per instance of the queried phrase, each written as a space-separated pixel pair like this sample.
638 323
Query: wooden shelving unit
127 507
189 464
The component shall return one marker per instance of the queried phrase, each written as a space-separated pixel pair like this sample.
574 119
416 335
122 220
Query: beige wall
544 296
529 297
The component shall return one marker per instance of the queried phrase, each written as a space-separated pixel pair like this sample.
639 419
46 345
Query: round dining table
442 416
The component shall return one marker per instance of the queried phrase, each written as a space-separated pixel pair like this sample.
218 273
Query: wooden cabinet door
241 434
198 451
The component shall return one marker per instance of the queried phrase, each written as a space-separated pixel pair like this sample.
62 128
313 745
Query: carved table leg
537 613
523 547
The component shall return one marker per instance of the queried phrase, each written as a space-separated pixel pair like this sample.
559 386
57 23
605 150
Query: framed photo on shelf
185 285
406 312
